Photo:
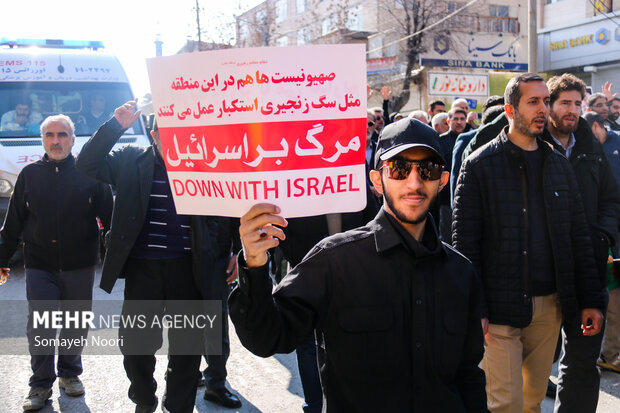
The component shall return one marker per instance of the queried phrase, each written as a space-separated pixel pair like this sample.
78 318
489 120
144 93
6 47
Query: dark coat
490 228
598 188
130 171
457 159
447 141
400 331
304 233
485 134
54 208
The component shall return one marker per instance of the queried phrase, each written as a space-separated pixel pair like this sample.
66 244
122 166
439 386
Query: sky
127 28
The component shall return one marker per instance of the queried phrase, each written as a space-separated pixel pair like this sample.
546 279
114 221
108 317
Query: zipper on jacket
524 243
58 243
553 250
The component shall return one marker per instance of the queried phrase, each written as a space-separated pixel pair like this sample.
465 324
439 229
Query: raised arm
95 160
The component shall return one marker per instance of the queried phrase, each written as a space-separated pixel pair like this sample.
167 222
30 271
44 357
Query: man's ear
375 178
510 111
445 178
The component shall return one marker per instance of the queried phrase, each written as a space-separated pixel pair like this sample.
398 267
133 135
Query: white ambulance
39 78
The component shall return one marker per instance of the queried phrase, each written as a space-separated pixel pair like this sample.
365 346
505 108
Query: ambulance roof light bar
52 43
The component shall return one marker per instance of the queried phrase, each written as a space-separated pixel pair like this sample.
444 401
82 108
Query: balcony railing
474 23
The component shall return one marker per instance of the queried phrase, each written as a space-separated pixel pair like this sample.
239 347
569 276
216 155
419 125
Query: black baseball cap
404 134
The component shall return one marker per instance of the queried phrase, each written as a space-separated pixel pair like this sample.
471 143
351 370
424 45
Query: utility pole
532 38
198 22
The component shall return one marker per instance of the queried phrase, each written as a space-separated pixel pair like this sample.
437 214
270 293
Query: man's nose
414 180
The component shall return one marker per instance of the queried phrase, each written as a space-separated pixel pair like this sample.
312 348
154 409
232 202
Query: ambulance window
88 104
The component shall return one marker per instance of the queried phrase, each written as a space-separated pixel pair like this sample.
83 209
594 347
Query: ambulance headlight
5 187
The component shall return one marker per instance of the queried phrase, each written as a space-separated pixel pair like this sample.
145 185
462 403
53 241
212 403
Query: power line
426 28
605 14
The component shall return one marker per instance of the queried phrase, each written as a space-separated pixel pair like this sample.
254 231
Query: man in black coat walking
578 383
519 218
396 310
163 256
54 209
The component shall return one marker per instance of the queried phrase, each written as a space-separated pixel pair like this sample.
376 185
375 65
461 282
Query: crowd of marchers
485 253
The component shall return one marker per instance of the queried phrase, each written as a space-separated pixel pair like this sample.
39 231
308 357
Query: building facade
580 37
487 36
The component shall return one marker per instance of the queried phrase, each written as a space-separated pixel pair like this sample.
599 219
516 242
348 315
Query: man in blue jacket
54 209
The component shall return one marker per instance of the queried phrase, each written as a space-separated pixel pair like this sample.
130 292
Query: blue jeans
54 291
309 375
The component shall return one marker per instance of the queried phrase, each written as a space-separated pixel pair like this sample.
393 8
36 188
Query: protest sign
284 125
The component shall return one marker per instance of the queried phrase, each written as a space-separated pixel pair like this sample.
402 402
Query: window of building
498 11
280 11
453 6
355 18
301 6
400 4
243 31
602 6
499 20
375 43
261 16
327 26
303 36
393 45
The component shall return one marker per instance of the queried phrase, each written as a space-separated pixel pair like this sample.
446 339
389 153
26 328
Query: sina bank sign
587 43
478 51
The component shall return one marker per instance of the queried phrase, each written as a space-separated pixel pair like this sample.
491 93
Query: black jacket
304 233
54 208
400 331
130 170
485 134
447 141
490 228
598 188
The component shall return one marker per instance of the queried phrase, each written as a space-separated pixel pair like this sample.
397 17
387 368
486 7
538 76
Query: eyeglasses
400 169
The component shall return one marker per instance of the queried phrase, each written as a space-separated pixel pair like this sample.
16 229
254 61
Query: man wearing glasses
397 312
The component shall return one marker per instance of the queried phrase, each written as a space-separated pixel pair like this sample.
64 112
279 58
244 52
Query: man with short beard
396 310
613 105
518 217
578 384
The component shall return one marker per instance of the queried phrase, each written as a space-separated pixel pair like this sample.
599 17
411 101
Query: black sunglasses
400 169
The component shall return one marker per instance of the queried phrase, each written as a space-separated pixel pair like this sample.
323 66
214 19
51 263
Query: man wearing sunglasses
397 312
518 216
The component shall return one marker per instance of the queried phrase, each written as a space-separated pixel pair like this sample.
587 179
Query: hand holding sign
258 233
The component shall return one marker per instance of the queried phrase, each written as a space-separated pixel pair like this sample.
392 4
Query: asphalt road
264 385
